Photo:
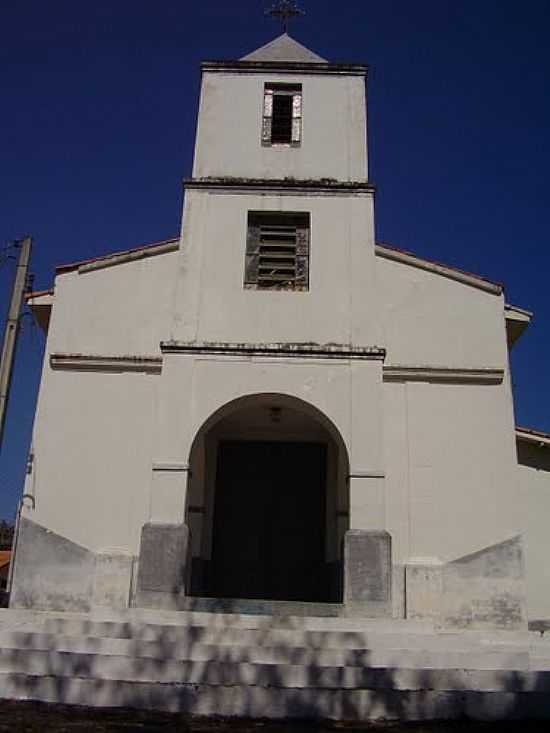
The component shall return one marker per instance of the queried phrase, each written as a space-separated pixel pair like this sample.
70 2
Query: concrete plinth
367 572
163 566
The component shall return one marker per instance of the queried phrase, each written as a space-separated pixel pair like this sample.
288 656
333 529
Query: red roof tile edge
38 293
440 264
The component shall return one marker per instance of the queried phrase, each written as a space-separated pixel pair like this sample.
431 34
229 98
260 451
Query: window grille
277 251
282 115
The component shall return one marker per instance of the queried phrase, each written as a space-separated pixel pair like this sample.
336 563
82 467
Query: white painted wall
230 123
451 481
193 388
534 478
91 472
340 306
116 310
92 439
430 319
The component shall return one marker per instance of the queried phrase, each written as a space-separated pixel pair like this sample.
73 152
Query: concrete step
481 659
25 618
227 673
250 665
250 631
383 702
333 639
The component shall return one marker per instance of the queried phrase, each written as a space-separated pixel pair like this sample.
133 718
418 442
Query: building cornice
453 273
279 185
391 373
284 350
302 68
405 373
97 363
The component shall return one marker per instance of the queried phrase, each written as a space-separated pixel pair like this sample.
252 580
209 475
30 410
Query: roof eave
536 437
517 320
453 273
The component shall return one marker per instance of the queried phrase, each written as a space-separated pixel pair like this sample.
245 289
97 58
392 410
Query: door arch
267 501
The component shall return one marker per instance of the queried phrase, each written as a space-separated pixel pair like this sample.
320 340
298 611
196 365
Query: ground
30 717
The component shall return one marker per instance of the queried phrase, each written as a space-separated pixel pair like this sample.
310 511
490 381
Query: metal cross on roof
285 9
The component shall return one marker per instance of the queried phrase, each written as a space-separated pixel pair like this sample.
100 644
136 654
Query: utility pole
12 327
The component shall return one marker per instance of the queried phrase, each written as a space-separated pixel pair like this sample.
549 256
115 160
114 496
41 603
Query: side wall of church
453 502
92 439
534 478
93 429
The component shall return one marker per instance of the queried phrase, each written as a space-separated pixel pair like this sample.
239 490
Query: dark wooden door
269 521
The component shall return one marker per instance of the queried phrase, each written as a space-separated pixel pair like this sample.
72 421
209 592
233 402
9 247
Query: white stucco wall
451 482
116 310
213 305
534 478
92 438
230 123
451 485
430 319
91 472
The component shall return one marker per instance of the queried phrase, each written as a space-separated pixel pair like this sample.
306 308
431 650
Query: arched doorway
267 502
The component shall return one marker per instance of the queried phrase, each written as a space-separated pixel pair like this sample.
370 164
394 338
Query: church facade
274 406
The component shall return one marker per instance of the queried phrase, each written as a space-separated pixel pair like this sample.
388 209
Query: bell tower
282 112
278 234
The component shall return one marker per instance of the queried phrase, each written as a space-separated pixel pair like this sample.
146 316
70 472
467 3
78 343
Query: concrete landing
278 667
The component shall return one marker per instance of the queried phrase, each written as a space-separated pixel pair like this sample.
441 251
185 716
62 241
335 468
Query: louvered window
277 251
282 115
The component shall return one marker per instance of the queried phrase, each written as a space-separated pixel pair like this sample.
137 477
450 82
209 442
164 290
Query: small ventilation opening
277 254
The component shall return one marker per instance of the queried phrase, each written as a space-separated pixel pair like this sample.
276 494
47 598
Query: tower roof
284 48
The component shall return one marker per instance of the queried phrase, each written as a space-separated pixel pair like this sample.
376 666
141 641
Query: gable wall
431 319
123 309
93 432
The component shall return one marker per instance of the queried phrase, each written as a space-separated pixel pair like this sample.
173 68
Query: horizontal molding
96 363
177 467
290 186
482 375
304 68
367 474
307 351
407 258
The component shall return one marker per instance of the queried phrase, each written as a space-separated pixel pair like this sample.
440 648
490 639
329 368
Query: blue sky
98 122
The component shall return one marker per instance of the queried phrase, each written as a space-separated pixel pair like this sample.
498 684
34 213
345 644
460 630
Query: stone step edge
43 643
277 704
324 643
215 618
280 676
